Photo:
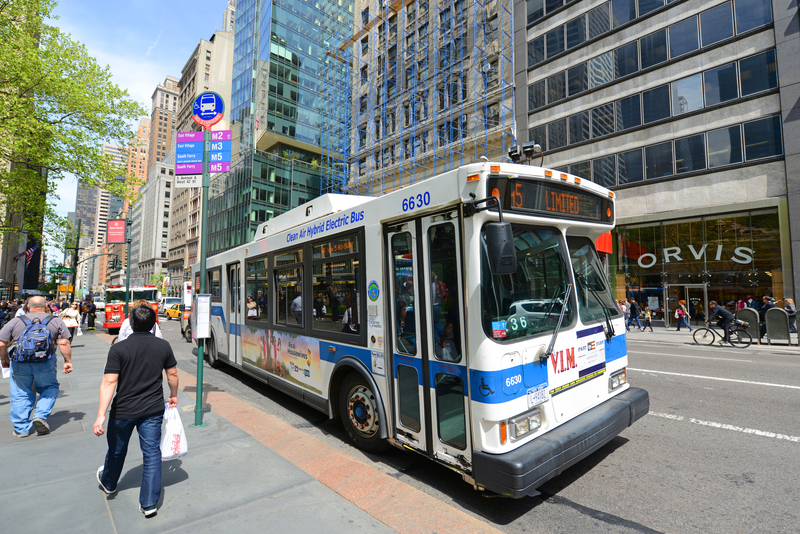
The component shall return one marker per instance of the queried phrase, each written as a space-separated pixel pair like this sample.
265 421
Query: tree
58 106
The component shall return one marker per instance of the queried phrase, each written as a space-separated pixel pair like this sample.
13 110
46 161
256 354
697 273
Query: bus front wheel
358 408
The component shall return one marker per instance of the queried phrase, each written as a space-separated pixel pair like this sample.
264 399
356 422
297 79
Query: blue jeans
119 434
632 318
684 322
23 376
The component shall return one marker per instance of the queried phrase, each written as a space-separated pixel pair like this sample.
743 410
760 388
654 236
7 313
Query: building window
581 170
656 104
536 51
626 60
599 21
658 161
630 169
555 41
535 9
720 84
683 37
578 127
724 146
690 154
576 32
577 79
687 94
603 120
536 95
654 49
762 138
623 11
759 73
716 24
601 70
556 87
629 113
603 171
538 135
208 55
557 134
751 14
646 6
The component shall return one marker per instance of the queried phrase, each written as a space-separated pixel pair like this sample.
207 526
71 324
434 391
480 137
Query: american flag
28 255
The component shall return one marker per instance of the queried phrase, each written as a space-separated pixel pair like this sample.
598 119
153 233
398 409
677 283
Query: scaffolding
417 88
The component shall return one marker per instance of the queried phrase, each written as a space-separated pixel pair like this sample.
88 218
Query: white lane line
723 426
716 378
684 356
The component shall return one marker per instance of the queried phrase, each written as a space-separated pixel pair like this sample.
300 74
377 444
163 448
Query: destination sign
550 199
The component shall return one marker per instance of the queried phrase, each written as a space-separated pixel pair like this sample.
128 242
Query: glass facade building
276 101
684 108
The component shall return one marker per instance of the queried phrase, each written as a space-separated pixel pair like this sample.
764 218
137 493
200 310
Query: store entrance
696 297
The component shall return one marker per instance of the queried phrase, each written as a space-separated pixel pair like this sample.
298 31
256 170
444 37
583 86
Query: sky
142 41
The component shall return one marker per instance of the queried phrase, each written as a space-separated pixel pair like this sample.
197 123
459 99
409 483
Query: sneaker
99 481
148 512
23 434
41 426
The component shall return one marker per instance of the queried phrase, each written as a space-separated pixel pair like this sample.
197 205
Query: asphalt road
719 452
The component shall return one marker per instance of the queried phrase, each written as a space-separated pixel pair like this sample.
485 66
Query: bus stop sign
208 109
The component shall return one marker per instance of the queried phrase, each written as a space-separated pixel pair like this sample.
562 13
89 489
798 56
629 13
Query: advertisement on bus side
288 356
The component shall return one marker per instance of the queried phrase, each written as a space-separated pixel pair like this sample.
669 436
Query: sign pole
198 409
75 261
128 223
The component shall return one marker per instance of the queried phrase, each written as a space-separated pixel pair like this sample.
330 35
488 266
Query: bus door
429 370
234 313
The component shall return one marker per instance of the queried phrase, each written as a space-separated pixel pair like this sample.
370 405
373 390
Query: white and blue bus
466 317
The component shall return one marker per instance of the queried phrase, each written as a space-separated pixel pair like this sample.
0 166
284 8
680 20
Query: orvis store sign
742 255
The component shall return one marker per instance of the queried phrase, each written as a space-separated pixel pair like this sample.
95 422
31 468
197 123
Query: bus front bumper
519 472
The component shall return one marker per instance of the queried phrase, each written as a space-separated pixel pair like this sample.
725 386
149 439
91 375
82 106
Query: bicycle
739 337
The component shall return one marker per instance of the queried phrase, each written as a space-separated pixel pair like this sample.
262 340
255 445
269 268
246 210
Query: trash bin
777 325
751 316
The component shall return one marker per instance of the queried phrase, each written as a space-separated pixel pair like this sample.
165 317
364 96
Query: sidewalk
684 336
230 480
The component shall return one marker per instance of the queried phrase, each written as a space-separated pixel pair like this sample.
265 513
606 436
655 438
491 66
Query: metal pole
198 409
75 261
128 224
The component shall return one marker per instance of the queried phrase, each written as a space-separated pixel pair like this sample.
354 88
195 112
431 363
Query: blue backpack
36 343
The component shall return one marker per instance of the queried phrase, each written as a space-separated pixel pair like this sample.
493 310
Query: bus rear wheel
211 354
358 409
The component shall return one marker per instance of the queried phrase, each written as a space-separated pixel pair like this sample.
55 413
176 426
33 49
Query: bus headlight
525 423
618 379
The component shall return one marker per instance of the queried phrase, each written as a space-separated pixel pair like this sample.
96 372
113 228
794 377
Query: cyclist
726 318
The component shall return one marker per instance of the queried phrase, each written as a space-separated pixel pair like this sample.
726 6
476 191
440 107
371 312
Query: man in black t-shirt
134 368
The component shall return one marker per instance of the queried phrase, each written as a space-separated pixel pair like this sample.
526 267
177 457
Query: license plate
538 395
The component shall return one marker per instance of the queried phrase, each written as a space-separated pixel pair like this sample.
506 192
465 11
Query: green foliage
58 107
156 278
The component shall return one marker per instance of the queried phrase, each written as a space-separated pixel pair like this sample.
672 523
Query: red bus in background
115 304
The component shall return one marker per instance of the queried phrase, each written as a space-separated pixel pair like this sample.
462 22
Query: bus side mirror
500 243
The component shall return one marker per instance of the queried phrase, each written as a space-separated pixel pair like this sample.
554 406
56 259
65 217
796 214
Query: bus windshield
528 302
592 289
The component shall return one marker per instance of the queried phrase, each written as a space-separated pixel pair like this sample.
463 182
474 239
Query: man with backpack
36 336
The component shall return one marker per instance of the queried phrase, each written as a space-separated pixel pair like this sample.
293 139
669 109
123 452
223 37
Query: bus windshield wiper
564 305
609 330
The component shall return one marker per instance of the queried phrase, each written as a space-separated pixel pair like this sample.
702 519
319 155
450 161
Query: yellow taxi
173 312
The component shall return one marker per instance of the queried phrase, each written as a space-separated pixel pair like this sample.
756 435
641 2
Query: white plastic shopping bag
79 332
173 438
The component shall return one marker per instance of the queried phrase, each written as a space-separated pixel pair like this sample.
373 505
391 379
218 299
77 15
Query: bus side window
214 287
257 290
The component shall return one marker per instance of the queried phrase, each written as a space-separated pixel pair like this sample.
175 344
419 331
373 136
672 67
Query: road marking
717 378
723 426
695 357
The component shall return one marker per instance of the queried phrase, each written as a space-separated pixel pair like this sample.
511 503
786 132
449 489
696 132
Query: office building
686 109
154 220
163 120
430 89
229 17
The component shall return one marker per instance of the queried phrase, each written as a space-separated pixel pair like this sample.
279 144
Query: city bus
466 317
115 304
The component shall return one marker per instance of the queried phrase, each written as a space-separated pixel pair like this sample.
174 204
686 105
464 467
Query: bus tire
358 409
211 354
187 334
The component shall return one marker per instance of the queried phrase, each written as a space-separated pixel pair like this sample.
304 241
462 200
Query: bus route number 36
416 201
